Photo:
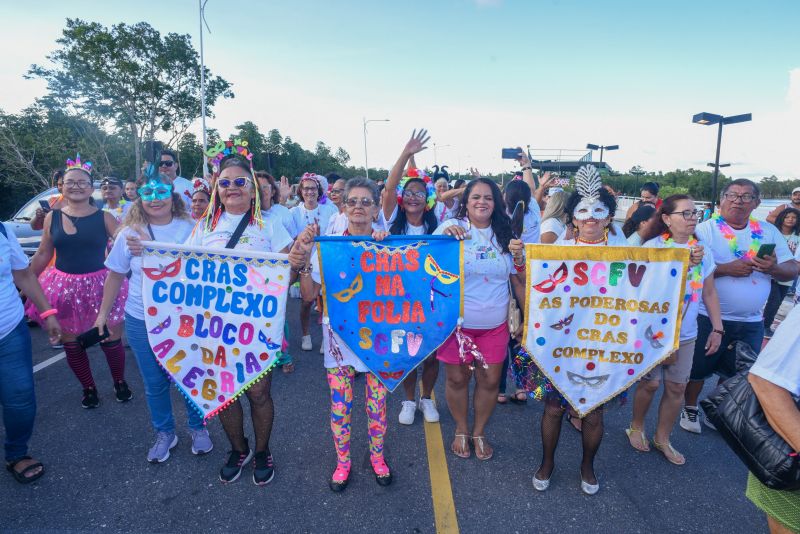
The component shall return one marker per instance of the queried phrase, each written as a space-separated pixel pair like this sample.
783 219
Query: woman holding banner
234 221
410 212
361 199
158 214
492 260
676 221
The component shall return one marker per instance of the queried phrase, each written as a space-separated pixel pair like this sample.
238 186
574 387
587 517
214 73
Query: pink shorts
492 343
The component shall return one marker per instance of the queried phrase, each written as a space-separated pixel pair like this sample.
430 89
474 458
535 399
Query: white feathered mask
588 185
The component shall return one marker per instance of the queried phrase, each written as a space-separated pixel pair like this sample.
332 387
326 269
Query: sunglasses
166 163
353 202
149 194
239 182
414 194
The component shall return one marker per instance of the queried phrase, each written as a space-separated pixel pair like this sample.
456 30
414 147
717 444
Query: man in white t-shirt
168 166
743 282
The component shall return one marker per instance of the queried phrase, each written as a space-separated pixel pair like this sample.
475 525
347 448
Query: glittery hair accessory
223 149
588 185
430 189
216 155
78 164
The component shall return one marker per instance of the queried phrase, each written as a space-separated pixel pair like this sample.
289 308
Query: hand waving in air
417 142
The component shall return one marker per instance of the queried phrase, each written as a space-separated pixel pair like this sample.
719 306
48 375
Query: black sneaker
90 399
232 469
123 392
263 469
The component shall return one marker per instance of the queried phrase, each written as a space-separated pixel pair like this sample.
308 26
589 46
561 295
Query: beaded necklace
756 233
603 240
696 272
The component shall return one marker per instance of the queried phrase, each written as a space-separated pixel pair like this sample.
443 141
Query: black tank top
83 252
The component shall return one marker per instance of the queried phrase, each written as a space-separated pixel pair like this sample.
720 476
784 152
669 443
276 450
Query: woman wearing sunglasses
409 211
675 224
78 235
236 210
361 200
157 215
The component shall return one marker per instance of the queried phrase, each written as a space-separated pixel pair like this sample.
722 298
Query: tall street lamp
708 119
602 148
202 6
366 160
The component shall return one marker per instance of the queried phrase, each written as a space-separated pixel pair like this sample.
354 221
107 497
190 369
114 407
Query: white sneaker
690 420
428 409
407 413
306 345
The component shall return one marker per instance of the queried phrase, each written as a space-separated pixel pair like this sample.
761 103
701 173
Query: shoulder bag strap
237 234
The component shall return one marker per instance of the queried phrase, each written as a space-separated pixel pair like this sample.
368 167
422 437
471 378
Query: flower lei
430 189
696 272
756 233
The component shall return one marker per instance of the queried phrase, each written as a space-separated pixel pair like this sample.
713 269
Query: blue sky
482 74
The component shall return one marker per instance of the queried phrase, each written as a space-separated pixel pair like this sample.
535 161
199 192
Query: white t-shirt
486 282
635 240
443 213
552 225
281 214
792 242
184 188
707 266
120 211
268 238
741 298
348 357
12 258
337 224
778 362
410 228
321 214
531 224
120 260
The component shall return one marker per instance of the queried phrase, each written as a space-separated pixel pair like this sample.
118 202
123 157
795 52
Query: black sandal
19 476
516 400
570 417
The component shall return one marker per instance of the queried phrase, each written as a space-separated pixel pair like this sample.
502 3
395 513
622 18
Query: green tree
130 76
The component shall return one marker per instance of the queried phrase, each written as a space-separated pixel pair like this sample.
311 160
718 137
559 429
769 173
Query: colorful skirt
77 297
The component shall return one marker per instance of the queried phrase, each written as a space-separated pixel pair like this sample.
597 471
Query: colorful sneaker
90 399
341 476
407 412
690 420
429 411
232 469
123 392
159 452
263 469
201 441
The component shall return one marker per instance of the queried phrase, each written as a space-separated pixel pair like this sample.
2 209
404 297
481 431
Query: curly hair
500 222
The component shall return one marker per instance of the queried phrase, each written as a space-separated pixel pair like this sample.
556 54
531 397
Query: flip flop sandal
464 446
570 417
669 452
480 448
640 444
516 400
20 476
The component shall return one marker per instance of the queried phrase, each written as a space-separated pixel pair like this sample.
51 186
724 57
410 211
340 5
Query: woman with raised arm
361 199
492 261
78 235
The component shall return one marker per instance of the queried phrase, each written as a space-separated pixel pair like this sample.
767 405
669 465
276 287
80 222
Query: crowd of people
87 274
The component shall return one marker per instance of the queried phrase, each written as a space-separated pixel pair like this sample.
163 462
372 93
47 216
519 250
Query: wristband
528 168
720 332
48 313
519 268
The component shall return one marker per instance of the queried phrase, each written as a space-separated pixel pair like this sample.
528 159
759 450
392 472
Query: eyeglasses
166 163
337 191
149 194
745 199
688 215
239 182
80 184
414 194
353 202
308 189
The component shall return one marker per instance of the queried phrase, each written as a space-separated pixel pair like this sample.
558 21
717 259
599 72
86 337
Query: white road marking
50 361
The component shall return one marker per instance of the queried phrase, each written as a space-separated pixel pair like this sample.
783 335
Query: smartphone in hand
45 205
92 337
511 153
765 250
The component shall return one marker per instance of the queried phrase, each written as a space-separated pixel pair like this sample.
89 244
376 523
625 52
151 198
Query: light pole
435 147
366 159
202 5
602 148
708 119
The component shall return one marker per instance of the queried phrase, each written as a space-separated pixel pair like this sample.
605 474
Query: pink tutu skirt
77 297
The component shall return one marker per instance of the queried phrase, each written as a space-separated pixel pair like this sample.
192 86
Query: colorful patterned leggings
340 381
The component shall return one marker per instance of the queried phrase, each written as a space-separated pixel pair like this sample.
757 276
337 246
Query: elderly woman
311 211
488 270
158 214
234 221
17 395
361 199
677 219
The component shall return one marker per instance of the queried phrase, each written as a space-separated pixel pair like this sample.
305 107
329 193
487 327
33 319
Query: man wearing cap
168 166
113 203
795 203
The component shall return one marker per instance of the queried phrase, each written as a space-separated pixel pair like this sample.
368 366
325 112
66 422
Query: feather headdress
588 183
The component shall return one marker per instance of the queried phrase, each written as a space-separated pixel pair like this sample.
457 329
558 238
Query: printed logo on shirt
485 252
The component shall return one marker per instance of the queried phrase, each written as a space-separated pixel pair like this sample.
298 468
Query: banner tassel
336 351
467 346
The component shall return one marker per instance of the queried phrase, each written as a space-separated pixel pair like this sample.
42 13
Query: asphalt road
98 479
